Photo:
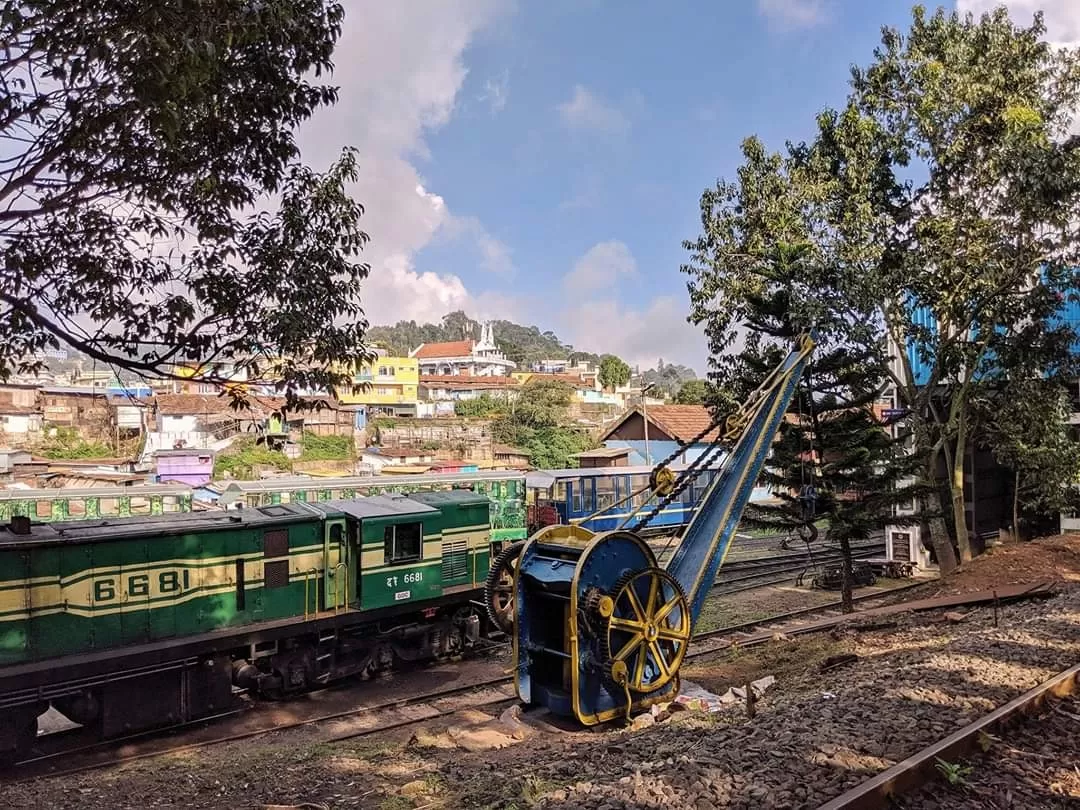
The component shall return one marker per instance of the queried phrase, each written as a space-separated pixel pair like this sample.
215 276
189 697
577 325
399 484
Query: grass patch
533 787
785 660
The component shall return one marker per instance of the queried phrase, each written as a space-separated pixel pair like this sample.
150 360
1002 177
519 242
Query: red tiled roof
467 381
683 422
455 348
184 404
576 380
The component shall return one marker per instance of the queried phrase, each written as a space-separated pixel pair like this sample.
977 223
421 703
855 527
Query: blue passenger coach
562 496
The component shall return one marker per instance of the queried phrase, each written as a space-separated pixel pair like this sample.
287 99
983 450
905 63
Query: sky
542 161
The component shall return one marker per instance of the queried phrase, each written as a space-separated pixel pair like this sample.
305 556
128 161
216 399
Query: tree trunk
963 539
939 536
1016 507
847 604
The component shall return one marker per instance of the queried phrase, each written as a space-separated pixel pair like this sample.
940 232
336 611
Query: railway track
377 717
919 769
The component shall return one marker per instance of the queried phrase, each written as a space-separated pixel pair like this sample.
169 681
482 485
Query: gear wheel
647 632
499 587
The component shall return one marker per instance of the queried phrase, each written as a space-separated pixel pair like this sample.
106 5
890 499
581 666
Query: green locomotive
135 623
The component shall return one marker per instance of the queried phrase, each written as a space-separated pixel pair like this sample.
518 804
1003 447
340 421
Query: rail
914 771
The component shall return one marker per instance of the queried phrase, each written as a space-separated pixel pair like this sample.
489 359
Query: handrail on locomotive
599 627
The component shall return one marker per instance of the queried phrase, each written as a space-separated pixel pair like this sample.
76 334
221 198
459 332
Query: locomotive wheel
499 588
648 631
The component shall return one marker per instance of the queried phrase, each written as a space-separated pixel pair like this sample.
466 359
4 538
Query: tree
613 371
986 238
152 206
831 443
542 403
1025 422
939 200
691 392
538 423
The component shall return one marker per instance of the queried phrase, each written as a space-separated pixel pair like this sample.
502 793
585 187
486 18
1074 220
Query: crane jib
707 539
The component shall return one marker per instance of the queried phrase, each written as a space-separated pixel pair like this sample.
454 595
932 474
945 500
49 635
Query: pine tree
832 445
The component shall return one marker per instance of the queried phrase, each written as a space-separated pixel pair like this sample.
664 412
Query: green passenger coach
133 623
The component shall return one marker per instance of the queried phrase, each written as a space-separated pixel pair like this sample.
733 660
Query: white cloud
586 112
793 13
602 324
1062 17
496 92
638 336
493 253
600 268
400 69
400 292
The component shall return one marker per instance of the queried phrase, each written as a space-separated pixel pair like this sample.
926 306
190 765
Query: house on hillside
199 420
388 387
86 410
476 358
452 388
665 428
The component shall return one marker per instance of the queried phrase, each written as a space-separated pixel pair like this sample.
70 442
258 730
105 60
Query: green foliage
940 187
542 403
244 455
126 127
484 406
613 372
1026 426
66 443
832 440
327 448
691 392
522 344
537 423
955 773
667 378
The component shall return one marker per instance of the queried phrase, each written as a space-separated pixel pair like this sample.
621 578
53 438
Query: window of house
403 542
386 371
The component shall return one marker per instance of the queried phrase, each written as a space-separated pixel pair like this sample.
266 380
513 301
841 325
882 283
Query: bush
244 455
327 448
67 444
481 407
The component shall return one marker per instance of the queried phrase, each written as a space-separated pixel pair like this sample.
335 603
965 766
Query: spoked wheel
499 588
648 630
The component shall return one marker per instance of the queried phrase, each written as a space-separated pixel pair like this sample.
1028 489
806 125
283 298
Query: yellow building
389 385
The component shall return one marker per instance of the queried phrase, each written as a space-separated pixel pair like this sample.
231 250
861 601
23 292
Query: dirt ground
1048 559
437 766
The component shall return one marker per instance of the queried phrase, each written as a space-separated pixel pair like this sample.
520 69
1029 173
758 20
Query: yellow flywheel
662 481
647 632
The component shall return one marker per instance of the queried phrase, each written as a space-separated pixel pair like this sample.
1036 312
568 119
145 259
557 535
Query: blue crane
599 628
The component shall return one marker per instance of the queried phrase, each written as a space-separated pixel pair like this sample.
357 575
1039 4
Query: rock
418 787
955 616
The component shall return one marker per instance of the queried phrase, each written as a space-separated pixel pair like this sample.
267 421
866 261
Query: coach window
403 543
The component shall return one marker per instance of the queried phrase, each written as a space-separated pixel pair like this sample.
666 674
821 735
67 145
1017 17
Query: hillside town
405 415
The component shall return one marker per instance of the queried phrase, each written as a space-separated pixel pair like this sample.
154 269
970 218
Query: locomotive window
403 542
336 533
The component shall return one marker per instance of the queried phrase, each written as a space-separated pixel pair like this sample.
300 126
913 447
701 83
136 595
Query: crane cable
732 427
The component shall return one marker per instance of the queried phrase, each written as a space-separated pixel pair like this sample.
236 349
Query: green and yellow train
129 624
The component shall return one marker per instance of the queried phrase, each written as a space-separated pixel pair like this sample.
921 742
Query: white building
473 358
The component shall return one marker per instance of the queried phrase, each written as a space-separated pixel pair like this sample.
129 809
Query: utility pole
645 419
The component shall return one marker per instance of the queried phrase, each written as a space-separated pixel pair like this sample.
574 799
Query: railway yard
853 698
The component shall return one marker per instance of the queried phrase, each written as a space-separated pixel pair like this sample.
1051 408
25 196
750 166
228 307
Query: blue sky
542 160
